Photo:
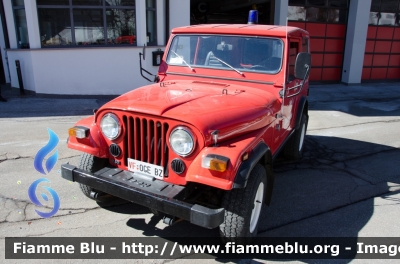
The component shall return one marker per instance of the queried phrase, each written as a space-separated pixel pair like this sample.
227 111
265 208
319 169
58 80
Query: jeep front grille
145 140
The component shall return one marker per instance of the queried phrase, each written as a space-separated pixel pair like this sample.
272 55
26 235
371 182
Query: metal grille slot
145 140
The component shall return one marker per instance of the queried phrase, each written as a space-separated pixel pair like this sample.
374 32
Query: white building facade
91 47
72 47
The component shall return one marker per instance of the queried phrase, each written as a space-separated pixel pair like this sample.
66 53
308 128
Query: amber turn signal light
215 162
78 132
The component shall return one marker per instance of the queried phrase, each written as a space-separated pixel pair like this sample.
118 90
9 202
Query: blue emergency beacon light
253 17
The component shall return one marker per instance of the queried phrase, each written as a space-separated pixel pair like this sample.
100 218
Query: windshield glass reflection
242 54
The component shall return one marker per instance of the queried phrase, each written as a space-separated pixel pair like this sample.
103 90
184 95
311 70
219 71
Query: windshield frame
228 69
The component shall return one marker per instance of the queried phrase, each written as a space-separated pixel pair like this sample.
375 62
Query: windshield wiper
182 60
236 70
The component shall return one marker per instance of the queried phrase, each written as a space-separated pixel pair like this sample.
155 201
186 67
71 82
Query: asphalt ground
346 185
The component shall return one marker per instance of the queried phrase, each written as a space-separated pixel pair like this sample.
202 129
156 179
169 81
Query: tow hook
97 195
170 220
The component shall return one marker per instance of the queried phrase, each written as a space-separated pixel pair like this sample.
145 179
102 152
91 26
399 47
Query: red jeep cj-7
199 143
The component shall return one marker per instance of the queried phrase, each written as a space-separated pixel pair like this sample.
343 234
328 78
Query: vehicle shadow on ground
360 100
325 194
366 107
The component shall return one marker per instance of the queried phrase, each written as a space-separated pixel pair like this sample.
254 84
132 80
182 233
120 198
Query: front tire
243 208
294 146
92 163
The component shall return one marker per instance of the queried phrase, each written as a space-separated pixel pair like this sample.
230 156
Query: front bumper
152 193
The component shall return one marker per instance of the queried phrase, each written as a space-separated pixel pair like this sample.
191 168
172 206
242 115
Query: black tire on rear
92 163
238 204
295 145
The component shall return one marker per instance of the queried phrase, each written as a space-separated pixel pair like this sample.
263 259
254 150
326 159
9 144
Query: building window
87 22
385 13
328 11
20 24
151 22
121 26
89 26
55 26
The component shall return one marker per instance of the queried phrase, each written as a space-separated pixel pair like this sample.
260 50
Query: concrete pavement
347 183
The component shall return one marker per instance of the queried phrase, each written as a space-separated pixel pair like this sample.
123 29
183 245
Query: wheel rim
303 132
255 213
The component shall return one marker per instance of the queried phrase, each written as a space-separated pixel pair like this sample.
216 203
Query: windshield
239 53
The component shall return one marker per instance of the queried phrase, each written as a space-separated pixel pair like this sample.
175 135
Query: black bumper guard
149 192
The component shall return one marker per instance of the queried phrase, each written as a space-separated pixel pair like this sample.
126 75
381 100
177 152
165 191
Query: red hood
231 109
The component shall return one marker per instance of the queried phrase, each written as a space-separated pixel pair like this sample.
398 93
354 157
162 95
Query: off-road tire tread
291 149
237 211
91 163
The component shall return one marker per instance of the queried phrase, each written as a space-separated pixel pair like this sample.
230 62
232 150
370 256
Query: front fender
247 166
301 108
94 144
234 150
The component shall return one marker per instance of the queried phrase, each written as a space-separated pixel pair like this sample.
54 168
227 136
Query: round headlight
110 126
181 141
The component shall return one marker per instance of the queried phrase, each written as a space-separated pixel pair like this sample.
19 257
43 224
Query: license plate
145 168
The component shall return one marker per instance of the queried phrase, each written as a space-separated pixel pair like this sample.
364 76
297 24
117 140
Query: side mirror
302 66
143 54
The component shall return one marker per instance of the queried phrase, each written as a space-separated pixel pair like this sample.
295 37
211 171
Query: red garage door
382 50
325 20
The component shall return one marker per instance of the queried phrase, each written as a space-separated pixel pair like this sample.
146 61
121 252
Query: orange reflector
78 132
218 165
72 132
215 162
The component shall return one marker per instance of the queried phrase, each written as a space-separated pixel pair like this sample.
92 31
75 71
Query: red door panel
371 32
393 73
383 46
316 30
315 74
366 74
327 42
297 24
334 45
396 47
396 34
331 74
333 60
336 30
394 60
368 59
369 46
385 33
317 45
382 53
378 73
381 60
317 60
